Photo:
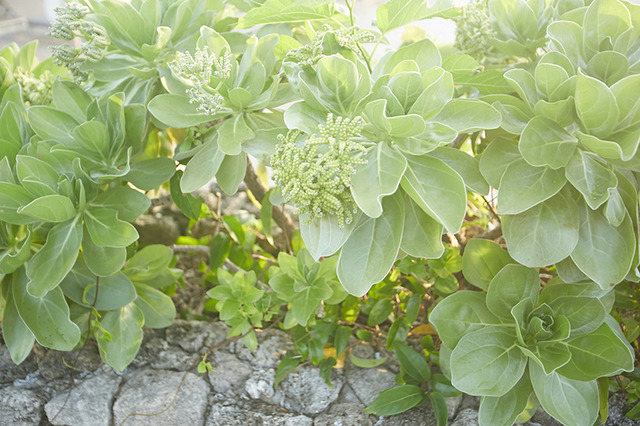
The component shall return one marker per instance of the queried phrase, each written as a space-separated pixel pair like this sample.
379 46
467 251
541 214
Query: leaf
15 333
47 317
338 78
371 249
150 173
125 328
460 314
324 236
569 401
488 82
422 235
465 165
366 363
545 143
597 354
440 408
102 261
189 205
380 176
148 262
596 106
306 302
70 98
277 11
606 265
396 13
437 189
513 284
106 230
413 363
396 400
544 234
288 364
500 153
232 133
541 183
54 260
482 260
50 208
176 111
128 202
158 308
202 167
487 362
438 91
504 410
51 123
592 178
469 115
231 173
380 312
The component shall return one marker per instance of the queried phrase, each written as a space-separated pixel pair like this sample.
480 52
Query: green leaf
629 104
231 173
511 285
54 260
371 249
16 253
500 153
459 314
413 363
176 111
148 262
365 362
597 354
544 234
396 13
542 183
592 178
504 410
549 77
51 123
50 208
125 328
487 82
219 250
338 78
202 167
440 408
380 312
465 165
545 143
469 115
569 401
288 364
128 202
189 205
158 308
438 91
482 260
380 176
437 189
341 338
106 230
102 261
47 317
422 235
232 133
596 106
150 173
396 400
423 52
487 362
38 177
15 333
70 98
324 236
606 265
306 302
609 66
277 11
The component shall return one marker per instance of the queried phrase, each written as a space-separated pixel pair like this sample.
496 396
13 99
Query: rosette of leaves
513 341
579 133
411 179
236 297
19 65
306 285
212 85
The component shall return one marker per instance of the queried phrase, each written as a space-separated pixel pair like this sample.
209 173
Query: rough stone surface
348 414
617 408
273 344
367 383
151 391
260 386
453 405
19 407
253 414
157 229
306 392
229 374
88 403
159 354
466 417
193 336
422 415
10 372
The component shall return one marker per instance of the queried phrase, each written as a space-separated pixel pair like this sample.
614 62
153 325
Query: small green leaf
592 178
511 285
151 173
16 335
189 205
202 167
596 106
380 312
231 173
440 408
396 400
482 260
504 410
158 308
413 363
106 230
50 208
366 363
288 364
176 111
125 328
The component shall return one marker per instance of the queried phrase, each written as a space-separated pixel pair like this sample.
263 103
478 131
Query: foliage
387 160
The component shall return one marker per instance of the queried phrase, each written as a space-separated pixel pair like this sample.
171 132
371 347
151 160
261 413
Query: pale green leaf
396 400
422 235
592 178
158 308
50 208
202 167
504 410
510 286
106 230
545 143
125 328
482 260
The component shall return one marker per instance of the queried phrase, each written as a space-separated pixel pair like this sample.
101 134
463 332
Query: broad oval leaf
202 167
324 236
125 327
422 235
396 400
592 178
482 260
469 115
102 261
106 230
545 143
15 333
413 363
50 208
510 286
504 410
465 165
176 111
158 309
596 106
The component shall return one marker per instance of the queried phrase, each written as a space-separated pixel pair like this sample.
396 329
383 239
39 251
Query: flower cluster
348 38
36 90
199 70
473 30
317 176
71 23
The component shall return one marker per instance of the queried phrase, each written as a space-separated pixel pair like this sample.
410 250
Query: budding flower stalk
473 30
349 38
317 176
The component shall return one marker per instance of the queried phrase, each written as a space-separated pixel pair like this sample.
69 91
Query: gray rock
367 383
306 392
255 413
157 229
10 371
466 417
273 344
259 385
348 396
19 407
229 374
543 418
422 415
344 415
89 403
152 391
55 364
453 404
617 408
161 355
192 336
